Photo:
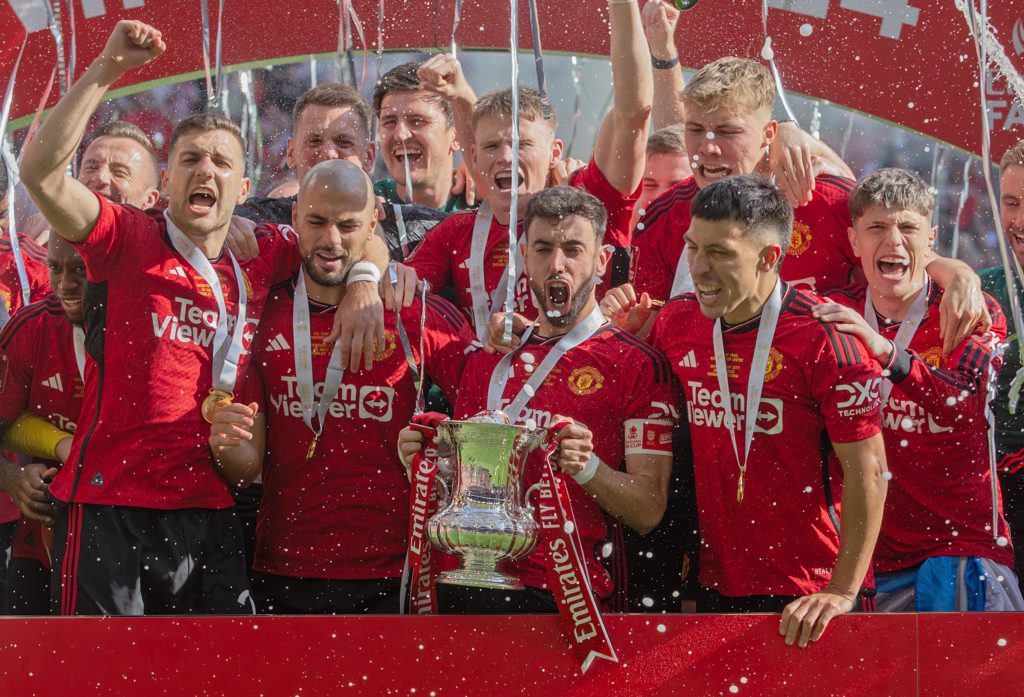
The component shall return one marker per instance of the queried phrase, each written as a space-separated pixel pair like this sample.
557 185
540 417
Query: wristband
363 271
665 65
33 435
589 471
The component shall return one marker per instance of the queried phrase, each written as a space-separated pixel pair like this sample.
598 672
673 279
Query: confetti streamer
212 74
961 204
12 177
577 74
455 26
769 55
513 272
538 52
380 39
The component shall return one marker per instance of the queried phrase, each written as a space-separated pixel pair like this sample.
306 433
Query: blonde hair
1013 156
670 140
735 82
532 107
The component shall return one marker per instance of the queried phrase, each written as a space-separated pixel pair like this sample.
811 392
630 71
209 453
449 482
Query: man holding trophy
612 426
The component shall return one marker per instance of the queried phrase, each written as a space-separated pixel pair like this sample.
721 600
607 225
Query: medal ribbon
225 355
78 337
682 282
484 306
755 382
417 573
905 334
578 609
304 363
499 377
403 336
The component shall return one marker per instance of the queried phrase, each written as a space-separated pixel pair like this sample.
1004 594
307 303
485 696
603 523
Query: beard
576 303
326 279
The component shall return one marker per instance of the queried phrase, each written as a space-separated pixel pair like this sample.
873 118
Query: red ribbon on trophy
568 579
418 576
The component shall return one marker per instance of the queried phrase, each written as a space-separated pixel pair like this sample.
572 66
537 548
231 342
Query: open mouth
407 154
893 268
559 294
330 259
1016 238
503 181
714 172
202 201
72 305
708 293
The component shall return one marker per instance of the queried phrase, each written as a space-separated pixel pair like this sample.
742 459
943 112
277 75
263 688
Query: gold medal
213 402
739 488
312 447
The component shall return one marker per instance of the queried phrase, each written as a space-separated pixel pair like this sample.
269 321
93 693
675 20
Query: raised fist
132 44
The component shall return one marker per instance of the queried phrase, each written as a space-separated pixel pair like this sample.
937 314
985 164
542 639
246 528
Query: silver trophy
487 519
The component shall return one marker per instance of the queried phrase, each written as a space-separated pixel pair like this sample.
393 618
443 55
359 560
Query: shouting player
783 413
617 448
332 523
470 251
944 544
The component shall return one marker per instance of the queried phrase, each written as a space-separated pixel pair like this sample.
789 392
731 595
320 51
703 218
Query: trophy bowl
486 519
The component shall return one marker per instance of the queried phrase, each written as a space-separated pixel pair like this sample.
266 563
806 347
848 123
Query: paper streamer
577 73
513 213
380 40
251 128
769 55
938 169
213 75
12 175
538 52
954 249
455 26
73 57
53 19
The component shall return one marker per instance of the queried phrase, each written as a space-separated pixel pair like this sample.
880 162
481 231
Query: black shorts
7 531
465 600
28 588
119 560
287 595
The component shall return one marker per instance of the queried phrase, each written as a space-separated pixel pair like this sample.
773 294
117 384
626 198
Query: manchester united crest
932 356
774 366
800 239
585 381
389 345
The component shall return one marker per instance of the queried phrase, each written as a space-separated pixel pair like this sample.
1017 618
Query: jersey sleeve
591 179
16 365
845 381
434 257
251 389
115 240
962 381
837 195
651 404
447 343
472 394
279 251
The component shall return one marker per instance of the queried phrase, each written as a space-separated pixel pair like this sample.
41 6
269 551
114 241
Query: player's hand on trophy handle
805 619
28 490
496 333
241 238
231 425
359 325
131 45
848 321
962 312
443 74
790 159
410 442
659 19
575 445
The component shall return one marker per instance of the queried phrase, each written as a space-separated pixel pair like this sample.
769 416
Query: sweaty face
727 267
328 133
121 170
413 127
333 227
664 170
204 180
1011 207
492 153
67 277
725 141
893 247
562 257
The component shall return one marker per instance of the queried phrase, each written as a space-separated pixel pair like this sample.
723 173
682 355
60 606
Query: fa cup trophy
487 518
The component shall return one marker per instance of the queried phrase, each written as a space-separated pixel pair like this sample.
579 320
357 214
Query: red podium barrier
961 655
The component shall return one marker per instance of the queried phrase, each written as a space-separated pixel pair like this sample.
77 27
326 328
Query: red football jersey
780 540
443 256
590 385
345 513
39 373
35 270
819 255
150 320
936 442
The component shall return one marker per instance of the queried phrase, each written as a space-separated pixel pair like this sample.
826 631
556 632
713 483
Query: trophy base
480 578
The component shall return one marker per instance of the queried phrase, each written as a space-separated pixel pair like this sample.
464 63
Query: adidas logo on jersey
689 360
278 343
178 271
54 382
